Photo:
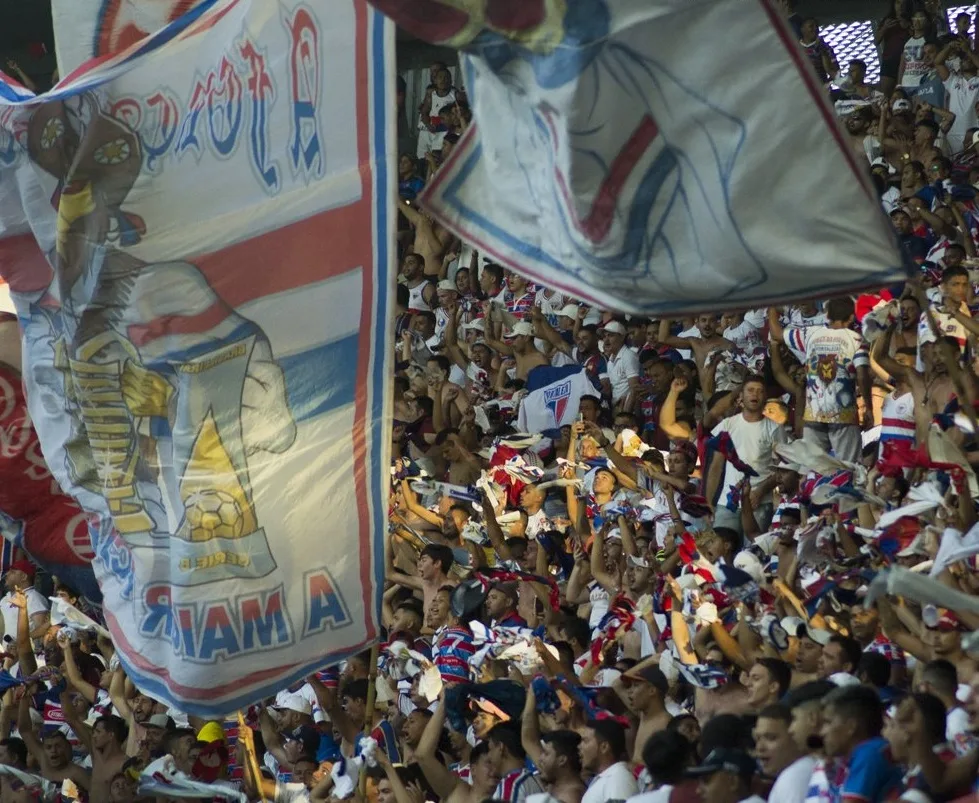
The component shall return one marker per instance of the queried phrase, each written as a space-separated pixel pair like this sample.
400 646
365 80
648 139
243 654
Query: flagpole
247 738
369 714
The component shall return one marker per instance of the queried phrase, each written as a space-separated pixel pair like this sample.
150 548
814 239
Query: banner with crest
195 232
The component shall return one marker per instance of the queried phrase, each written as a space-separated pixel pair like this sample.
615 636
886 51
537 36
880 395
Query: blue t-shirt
870 774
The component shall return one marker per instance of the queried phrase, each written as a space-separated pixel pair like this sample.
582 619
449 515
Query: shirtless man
524 354
708 341
434 564
645 693
105 742
52 752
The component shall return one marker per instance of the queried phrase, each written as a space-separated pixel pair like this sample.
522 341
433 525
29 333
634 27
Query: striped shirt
516 785
897 418
453 649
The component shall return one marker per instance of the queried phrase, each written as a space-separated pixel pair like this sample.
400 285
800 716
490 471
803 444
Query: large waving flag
553 397
625 152
195 231
92 29
35 514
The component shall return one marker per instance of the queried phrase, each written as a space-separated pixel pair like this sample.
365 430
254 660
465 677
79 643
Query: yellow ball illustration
213 514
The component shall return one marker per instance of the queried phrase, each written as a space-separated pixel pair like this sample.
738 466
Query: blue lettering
218 636
263 622
326 606
168 114
262 93
226 115
305 68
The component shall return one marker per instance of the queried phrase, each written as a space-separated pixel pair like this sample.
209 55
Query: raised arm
443 782
667 413
77 724
530 727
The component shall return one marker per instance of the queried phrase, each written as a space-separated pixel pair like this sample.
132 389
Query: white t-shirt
36 603
946 324
832 359
962 96
291 793
956 723
747 335
661 795
915 66
621 368
615 783
755 444
793 782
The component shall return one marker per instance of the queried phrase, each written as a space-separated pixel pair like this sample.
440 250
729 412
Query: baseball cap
901 105
652 675
158 721
509 590
308 736
522 328
975 138
447 284
477 324
292 702
569 311
24 566
794 626
724 759
615 327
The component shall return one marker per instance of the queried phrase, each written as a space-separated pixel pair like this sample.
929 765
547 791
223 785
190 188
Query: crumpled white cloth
955 547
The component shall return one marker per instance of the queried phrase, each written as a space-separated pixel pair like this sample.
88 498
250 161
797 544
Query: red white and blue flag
623 153
553 398
195 231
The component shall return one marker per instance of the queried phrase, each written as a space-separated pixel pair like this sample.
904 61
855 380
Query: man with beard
559 764
754 438
858 125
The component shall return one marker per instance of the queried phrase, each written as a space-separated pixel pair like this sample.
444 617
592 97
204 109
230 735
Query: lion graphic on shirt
830 390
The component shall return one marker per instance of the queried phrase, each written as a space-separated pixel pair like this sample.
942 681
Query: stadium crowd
721 559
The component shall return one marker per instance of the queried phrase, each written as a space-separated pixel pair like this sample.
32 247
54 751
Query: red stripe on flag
141 334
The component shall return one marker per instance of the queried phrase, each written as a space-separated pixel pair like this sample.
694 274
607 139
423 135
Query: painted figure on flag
170 389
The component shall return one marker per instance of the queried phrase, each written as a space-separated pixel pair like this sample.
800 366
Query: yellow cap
211 732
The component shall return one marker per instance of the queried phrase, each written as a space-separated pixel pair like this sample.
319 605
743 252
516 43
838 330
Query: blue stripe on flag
322 379
383 322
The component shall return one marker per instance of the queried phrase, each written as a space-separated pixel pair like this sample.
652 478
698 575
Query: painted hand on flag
146 392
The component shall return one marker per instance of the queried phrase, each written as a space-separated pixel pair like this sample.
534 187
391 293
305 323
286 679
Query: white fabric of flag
651 156
196 235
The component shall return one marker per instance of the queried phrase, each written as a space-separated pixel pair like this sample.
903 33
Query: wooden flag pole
247 739
369 713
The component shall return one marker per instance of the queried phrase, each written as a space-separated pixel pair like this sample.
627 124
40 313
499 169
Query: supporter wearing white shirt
603 751
754 438
623 366
837 371
20 576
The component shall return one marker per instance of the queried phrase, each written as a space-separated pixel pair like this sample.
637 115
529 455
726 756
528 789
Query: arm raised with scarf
493 529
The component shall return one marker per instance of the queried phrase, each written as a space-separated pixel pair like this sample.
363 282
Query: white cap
522 328
794 626
569 311
447 284
291 701
477 324
901 105
615 327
